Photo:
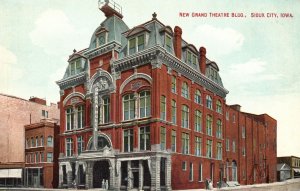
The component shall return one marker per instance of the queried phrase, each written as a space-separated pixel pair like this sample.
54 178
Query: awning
296 170
10 173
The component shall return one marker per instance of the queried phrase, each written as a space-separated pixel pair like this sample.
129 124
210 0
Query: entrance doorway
100 173
135 174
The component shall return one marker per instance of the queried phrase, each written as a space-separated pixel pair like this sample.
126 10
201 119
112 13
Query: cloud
9 69
221 41
53 32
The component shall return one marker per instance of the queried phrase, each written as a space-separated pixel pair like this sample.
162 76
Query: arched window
198 121
145 104
32 142
209 122
185 116
128 107
219 129
208 102
219 106
42 141
185 90
197 97
50 141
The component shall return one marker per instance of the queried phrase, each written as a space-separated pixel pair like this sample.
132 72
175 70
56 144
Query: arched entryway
100 173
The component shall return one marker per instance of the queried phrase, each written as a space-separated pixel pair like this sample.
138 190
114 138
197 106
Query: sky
258 57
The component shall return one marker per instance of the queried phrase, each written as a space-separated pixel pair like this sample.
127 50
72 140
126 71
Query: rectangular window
243 132
128 140
168 43
227 145
184 165
209 153
75 67
106 110
145 104
219 129
70 119
132 46
162 107
45 113
191 174
80 117
185 143
173 141
69 147
37 158
227 115
162 138
42 141
209 122
194 61
233 146
198 146
200 173
219 151
173 111
185 90
141 42
80 145
189 57
145 138
42 156
128 107
244 151
198 121
49 157
185 116
173 84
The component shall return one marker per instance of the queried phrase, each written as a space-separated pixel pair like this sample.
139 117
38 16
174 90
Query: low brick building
16 112
41 154
141 108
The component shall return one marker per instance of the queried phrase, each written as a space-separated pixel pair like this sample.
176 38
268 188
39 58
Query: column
168 173
129 175
118 175
141 175
155 175
95 117
112 175
89 175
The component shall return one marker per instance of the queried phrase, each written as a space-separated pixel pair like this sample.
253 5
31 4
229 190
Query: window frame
163 138
198 121
135 46
209 125
131 101
198 146
163 107
130 140
185 90
143 136
185 143
147 104
185 116
198 97
69 147
209 102
173 111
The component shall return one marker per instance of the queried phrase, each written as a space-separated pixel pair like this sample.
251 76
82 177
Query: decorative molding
73 94
103 49
74 80
101 75
133 77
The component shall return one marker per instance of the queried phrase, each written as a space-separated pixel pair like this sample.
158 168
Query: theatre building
141 108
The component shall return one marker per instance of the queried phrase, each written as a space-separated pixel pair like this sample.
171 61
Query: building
293 162
141 108
283 172
41 154
16 112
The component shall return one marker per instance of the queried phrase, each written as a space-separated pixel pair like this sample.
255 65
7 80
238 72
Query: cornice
113 45
79 78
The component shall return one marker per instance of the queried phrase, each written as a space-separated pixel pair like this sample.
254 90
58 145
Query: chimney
202 60
177 41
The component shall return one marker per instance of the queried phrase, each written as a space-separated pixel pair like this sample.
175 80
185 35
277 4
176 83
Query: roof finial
74 50
154 15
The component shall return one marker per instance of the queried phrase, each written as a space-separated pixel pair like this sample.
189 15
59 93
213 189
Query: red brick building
41 154
16 112
141 108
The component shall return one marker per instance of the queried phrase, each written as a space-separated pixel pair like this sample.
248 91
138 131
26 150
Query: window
42 141
189 57
173 111
162 107
227 145
198 121
128 140
106 110
233 146
145 138
80 117
209 122
32 157
50 141
137 44
191 174
75 67
69 147
49 157
243 151
185 116
168 43
173 84
198 146
45 113
173 141
233 118
243 132
101 39
28 143
32 142
185 143
185 90
42 156
219 107
197 98
227 115
200 173
162 138
80 145
37 141
219 129
37 158
208 102
128 106
209 148
219 151
145 104
70 119
184 165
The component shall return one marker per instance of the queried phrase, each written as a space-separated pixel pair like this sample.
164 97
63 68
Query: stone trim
79 78
133 77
